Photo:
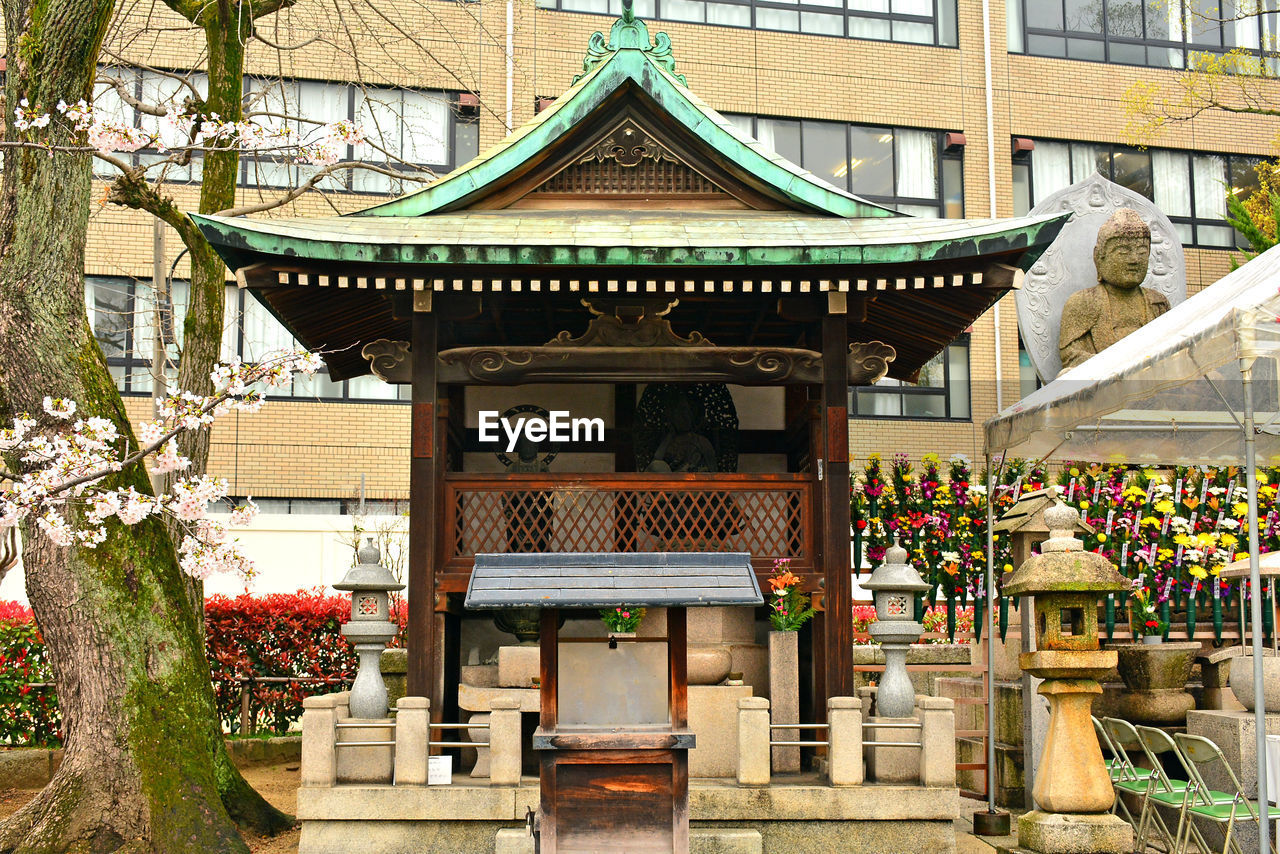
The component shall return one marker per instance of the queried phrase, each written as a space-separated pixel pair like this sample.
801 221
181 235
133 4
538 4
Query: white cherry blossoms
54 471
321 145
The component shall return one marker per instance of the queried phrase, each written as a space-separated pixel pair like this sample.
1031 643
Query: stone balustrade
932 753
340 750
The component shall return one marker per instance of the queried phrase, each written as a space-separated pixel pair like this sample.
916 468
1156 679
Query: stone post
319 765
844 760
413 731
505 760
937 741
784 697
753 741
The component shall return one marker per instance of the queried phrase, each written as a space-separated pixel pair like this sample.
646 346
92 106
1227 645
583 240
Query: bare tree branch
271 44
315 179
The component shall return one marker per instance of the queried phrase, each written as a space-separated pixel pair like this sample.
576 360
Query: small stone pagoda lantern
1072 788
369 629
1025 525
895 584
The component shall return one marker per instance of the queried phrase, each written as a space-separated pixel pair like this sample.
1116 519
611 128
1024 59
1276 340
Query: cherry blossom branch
65 464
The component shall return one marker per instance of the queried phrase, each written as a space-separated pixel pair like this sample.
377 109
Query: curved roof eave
691 239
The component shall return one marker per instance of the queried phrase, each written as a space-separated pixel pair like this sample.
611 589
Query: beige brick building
927 122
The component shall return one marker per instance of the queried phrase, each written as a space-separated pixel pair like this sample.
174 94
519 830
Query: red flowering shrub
293 634
28 714
278 635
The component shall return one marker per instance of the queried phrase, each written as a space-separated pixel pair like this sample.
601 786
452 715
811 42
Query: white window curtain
1174 12
262 333
424 120
1171 175
107 101
231 323
320 104
279 98
1050 169
917 163
377 113
1210 173
1084 161
741 123
1245 28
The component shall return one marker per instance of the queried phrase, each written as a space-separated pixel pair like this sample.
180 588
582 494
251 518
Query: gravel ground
277 783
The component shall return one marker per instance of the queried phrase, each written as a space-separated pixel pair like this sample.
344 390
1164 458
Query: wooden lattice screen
768 516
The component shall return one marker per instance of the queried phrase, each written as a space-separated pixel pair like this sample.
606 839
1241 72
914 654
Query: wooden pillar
838 597
425 669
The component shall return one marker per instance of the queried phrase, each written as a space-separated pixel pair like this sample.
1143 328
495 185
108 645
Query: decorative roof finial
629 32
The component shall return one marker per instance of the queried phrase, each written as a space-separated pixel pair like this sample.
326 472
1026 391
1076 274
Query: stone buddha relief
1068 267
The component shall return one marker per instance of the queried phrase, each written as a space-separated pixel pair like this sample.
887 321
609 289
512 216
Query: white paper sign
439 770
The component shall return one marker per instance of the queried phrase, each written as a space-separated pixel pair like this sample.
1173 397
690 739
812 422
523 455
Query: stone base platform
1046 833
796 815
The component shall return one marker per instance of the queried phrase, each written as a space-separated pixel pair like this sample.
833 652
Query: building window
1158 33
149 87
320 506
1190 187
930 22
942 392
906 169
122 315
409 130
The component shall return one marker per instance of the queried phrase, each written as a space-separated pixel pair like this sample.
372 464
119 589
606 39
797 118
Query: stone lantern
1072 788
895 584
369 629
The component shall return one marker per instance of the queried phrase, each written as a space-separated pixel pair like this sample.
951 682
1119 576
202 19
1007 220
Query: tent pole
991 643
1255 607
991 821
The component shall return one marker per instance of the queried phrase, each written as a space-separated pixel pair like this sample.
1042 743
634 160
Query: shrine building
632 260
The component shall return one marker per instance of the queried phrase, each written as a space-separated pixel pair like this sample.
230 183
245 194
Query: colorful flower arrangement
1145 616
1172 528
622 619
788 604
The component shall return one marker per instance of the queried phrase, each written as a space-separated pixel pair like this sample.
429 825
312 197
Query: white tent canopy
1169 393
1198 386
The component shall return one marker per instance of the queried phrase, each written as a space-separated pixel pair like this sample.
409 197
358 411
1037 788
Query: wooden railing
769 515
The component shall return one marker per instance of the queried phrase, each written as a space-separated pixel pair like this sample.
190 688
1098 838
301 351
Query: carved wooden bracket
557 363
650 329
389 360
869 361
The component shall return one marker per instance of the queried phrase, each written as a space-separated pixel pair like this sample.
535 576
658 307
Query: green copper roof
610 70
653 238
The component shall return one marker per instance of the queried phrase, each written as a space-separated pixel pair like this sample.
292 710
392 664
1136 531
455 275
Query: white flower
245 513
60 408
56 528
169 459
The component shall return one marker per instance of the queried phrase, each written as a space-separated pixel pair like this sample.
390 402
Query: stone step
701 841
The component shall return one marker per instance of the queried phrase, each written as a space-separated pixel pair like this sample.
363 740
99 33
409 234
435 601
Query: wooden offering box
613 733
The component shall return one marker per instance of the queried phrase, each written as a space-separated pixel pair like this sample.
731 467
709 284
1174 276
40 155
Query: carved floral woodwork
629 145
868 362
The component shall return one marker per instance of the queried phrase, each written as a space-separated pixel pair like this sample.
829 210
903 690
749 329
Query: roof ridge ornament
629 32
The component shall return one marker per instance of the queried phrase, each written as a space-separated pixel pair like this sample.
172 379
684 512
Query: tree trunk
123 641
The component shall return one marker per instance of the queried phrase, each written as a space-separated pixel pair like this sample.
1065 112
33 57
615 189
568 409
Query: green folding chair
1104 741
1200 753
1166 793
1126 778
